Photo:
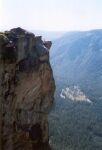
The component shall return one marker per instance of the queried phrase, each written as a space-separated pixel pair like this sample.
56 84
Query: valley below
75 122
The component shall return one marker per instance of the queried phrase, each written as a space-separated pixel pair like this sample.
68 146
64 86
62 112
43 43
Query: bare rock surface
26 91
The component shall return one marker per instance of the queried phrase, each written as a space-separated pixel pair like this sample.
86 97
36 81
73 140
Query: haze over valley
76 59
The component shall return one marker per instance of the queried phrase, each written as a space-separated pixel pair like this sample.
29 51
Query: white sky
53 15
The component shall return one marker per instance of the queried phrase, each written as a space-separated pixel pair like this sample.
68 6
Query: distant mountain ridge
77 57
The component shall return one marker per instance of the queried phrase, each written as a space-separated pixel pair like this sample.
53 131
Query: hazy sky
51 14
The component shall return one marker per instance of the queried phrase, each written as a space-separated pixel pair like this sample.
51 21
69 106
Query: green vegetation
75 125
77 60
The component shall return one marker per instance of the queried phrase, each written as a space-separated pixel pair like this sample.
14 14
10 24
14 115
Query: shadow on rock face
35 134
9 54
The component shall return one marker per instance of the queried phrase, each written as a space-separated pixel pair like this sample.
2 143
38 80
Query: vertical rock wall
26 91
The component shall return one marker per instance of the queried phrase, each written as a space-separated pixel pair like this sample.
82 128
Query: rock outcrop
26 91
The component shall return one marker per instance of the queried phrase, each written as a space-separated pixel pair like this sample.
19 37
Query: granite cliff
26 91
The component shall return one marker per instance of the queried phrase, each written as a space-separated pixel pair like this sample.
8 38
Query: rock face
26 91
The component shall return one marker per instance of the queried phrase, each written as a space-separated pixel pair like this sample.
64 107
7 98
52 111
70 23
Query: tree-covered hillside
76 59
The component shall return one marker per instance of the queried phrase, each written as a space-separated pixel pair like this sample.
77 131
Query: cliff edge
26 90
